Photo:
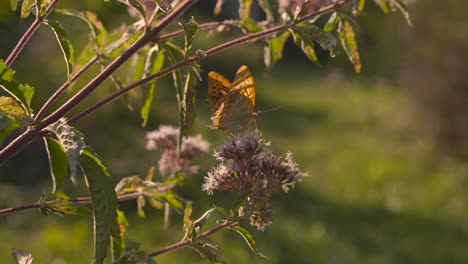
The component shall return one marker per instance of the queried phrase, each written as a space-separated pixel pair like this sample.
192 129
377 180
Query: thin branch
214 50
21 141
84 200
28 34
183 243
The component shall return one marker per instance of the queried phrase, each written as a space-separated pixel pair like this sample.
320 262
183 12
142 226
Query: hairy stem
212 51
28 34
82 200
30 134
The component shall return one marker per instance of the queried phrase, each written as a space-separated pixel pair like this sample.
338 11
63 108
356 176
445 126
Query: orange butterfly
232 103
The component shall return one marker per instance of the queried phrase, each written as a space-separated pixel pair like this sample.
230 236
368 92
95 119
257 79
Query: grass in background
377 191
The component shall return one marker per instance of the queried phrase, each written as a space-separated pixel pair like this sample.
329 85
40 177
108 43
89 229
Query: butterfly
232 103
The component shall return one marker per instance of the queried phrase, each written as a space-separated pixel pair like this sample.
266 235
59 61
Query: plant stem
28 34
192 59
183 243
82 200
30 134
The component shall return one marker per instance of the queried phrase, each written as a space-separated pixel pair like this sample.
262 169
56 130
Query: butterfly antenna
269 110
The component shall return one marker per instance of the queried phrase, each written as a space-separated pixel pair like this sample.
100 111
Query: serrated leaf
310 32
171 199
218 7
101 189
21 92
9 107
27 7
58 163
154 63
190 28
307 46
275 48
248 238
349 44
65 44
72 142
244 9
21 256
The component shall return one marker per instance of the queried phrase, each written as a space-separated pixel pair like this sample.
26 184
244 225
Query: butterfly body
232 103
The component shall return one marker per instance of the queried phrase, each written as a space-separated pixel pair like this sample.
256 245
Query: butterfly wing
233 103
218 86
234 112
244 83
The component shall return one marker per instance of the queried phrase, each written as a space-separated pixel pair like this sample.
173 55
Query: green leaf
332 22
172 199
65 44
310 32
97 29
307 46
14 4
361 5
141 202
248 238
274 50
27 8
190 29
348 42
218 8
21 256
202 220
250 26
57 162
244 9
118 235
72 142
154 63
6 127
188 222
63 207
188 113
10 108
164 5
383 6
101 188
205 251
21 92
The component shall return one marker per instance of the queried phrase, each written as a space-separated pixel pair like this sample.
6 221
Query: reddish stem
28 34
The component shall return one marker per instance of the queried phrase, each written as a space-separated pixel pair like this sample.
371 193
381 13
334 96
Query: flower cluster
165 139
249 166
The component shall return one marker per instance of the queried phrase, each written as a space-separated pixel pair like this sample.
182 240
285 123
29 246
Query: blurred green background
386 150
